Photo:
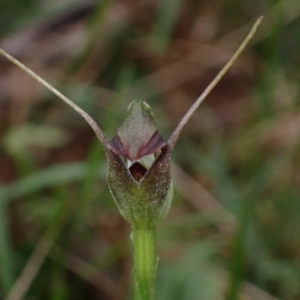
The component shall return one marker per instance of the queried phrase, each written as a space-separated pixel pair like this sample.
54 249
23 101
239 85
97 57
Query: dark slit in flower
137 171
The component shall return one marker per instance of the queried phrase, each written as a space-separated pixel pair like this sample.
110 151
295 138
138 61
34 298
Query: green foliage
242 146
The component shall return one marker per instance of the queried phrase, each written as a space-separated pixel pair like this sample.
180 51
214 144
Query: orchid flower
139 172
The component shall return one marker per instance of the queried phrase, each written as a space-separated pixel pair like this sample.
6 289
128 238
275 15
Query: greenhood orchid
139 175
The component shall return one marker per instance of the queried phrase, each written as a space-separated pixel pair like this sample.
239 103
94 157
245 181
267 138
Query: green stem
145 262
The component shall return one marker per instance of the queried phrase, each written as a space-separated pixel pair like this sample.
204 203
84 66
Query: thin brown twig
32 267
87 271
201 199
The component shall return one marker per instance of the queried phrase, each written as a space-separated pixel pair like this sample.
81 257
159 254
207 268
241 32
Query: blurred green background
233 231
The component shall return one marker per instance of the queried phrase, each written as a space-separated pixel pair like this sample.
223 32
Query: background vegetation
233 231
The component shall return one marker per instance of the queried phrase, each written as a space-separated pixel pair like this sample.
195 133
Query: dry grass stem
32 267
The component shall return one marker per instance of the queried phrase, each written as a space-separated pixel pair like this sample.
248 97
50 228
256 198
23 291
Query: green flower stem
145 262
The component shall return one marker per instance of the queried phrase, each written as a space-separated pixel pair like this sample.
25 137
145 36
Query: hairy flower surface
139 173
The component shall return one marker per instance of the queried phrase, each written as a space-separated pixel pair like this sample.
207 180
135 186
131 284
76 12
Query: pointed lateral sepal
99 133
175 135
